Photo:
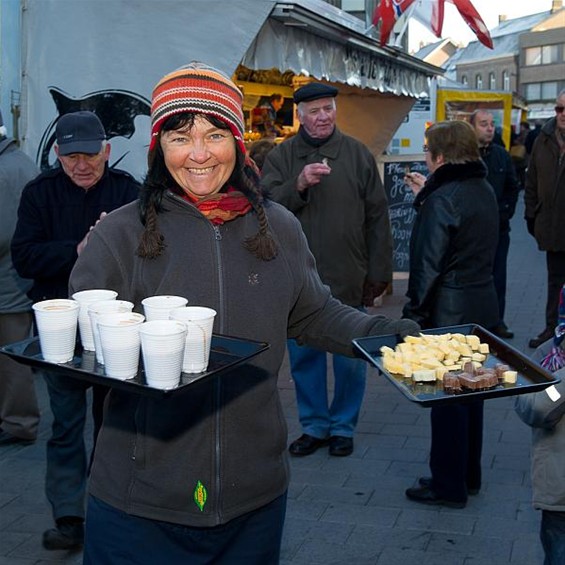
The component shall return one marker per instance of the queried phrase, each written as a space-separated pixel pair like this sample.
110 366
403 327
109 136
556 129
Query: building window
545 55
479 82
549 54
549 90
533 56
533 91
542 91
505 80
464 80
492 81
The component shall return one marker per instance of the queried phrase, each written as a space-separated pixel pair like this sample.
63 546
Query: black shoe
501 330
541 338
427 482
426 495
9 439
341 446
69 534
306 445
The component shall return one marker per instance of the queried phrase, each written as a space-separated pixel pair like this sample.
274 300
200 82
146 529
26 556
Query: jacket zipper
217 382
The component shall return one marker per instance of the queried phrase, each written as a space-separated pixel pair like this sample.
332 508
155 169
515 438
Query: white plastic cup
95 309
162 348
158 307
119 338
199 322
56 322
84 298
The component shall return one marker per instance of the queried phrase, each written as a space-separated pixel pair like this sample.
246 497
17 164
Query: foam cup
96 309
56 322
84 298
158 307
162 348
199 322
119 338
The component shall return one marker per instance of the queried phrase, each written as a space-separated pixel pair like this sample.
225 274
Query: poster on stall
409 137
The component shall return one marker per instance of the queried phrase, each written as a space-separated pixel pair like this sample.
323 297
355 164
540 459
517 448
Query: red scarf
222 206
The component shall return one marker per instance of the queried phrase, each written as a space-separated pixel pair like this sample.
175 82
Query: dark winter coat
452 249
544 193
502 177
344 217
16 170
54 215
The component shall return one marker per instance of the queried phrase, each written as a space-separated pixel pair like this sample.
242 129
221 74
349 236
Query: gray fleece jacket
218 451
544 411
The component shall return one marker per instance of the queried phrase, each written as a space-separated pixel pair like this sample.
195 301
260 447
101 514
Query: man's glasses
559 109
425 148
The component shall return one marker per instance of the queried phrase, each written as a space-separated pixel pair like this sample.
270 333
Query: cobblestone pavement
353 510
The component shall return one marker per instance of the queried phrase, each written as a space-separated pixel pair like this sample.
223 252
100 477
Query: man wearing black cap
56 212
19 412
330 182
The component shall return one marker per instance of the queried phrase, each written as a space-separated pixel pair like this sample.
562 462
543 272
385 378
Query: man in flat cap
329 180
55 214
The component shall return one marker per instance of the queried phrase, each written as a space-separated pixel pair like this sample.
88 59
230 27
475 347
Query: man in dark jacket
544 196
55 214
502 177
330 182
19 412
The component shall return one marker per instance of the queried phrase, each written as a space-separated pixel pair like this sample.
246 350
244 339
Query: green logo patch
200 495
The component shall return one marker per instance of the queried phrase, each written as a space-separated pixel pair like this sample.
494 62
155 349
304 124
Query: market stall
300 40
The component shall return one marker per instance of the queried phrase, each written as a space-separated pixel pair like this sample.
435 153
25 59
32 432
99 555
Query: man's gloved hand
531 223
372 290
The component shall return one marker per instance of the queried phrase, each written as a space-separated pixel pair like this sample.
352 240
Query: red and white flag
388 12
431 12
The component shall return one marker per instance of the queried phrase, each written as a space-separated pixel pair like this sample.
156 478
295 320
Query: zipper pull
217 233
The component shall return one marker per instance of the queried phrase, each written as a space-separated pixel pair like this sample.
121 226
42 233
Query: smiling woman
200 156
203 477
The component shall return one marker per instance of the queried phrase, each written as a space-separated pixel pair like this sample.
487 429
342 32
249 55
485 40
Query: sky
455 27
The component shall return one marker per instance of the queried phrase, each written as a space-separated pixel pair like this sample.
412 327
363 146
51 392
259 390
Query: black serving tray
225 353
531 377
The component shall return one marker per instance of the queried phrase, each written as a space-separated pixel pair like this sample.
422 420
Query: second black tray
531 377
225 353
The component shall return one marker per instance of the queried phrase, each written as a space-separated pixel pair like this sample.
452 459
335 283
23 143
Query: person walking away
452 250
544 198
55 214
329 180
544 412
203 477
502 177
19 411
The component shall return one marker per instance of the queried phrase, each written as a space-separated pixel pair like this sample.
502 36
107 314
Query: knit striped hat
201 89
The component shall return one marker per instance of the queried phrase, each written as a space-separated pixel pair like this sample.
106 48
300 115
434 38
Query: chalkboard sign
401 210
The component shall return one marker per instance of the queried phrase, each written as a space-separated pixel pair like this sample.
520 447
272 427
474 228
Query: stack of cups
158 307
162 347
84 298
199 323
95 310
56 322
119 338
